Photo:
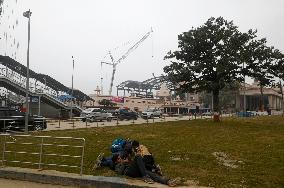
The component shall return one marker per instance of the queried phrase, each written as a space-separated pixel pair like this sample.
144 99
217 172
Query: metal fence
42 151
76 122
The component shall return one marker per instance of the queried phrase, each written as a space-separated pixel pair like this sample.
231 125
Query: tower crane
124 56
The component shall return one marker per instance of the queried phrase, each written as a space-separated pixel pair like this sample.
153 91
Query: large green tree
209 58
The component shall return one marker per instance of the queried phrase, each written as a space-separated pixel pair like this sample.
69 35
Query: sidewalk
69 179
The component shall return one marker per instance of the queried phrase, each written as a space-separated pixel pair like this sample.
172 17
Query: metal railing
14 146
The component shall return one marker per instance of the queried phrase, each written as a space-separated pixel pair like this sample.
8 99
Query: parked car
245 114
207 114
13 119
264 113
122 114
95 114
151 113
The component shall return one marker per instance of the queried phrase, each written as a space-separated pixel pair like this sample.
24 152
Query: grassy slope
257 142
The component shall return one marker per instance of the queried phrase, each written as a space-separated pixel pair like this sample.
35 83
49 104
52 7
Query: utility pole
71 111
27 14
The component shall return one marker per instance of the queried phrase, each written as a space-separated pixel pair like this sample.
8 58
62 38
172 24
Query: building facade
250 96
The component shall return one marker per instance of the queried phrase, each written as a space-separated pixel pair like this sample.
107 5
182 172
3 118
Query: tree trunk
261 103
282 101
216 108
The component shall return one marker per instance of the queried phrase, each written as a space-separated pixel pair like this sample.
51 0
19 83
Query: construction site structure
114 63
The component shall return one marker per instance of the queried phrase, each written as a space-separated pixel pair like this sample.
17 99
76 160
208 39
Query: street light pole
27 14
71 110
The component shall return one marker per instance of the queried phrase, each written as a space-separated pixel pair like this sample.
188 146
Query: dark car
245 114
13 119
122 114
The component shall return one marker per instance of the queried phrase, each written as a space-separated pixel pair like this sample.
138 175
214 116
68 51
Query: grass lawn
252 149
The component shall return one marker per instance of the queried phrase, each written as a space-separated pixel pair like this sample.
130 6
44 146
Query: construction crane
115 63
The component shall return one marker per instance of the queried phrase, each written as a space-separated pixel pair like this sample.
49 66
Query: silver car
95 114
151 113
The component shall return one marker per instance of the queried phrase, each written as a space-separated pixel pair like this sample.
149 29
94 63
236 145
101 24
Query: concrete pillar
270 100
238 105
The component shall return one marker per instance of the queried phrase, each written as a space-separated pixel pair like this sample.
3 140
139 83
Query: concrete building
272 98
192 102
162 100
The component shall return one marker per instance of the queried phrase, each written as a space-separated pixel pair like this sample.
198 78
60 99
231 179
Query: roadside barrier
42 151
62 124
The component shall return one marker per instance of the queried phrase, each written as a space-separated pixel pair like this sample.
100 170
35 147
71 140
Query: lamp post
27 14
71 110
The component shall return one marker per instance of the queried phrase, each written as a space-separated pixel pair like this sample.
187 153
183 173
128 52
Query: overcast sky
88 29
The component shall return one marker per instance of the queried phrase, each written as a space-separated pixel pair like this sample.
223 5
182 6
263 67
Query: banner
117 99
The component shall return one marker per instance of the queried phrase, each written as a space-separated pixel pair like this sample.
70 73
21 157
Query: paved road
76 124
6 183
62 125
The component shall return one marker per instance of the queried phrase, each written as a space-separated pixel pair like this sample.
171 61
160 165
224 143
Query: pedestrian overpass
44 91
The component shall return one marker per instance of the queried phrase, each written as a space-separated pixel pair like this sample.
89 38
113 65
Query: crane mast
124 56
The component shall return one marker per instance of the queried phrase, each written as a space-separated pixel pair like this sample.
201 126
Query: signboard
117 99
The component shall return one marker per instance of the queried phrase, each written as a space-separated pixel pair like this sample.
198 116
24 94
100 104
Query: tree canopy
106 102
1 8
261 63
209 57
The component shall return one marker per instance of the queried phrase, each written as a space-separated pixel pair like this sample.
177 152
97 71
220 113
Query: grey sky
88 29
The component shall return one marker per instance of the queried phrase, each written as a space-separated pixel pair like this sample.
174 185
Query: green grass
258 143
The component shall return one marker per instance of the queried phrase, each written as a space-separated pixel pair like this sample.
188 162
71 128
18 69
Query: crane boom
124 56
134 46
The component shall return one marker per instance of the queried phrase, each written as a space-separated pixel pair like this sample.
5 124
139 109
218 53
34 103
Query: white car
151 113
207 114
264 113
95 114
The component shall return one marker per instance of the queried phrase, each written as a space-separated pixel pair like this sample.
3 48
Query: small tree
106 102
259 65
1 6
278 71
263 64
209 57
